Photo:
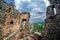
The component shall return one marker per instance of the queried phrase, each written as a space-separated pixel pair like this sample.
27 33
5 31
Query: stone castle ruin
52 29
13 25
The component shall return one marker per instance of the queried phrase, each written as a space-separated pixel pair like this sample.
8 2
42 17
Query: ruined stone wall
15 25
52 28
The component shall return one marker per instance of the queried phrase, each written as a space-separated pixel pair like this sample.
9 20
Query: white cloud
47 2
32 5
34 14
25 0
38 16
37 10
36 7
17 3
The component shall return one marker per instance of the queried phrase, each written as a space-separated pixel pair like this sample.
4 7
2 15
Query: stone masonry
13 25
52 29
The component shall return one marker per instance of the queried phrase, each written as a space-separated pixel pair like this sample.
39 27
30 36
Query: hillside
37 27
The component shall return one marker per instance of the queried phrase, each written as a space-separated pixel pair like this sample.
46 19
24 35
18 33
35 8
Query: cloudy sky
37 8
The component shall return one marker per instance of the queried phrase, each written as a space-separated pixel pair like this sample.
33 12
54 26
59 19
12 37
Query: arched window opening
6 10
24 22
11 22
9 9
54 10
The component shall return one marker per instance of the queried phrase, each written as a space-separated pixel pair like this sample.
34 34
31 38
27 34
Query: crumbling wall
15 25
52 27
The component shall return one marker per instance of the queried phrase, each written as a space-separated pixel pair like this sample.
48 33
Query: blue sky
37 8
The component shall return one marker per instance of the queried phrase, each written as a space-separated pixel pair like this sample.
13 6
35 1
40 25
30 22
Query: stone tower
52 28
13 25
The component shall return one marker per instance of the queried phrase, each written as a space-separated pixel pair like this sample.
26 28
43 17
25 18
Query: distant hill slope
37 27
